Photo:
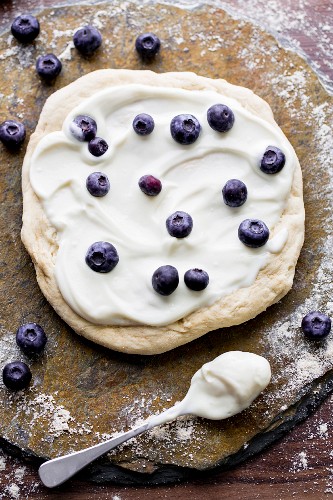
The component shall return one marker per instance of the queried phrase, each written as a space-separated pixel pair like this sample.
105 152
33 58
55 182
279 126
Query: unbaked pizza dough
120 309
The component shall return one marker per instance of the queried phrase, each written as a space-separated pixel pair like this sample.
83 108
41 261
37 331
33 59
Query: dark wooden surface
299 466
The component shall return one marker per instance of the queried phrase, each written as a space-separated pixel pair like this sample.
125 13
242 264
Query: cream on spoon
221 388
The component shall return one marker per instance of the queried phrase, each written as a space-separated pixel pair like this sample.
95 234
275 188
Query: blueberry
98 146
196 279
147 46
253 233
273 160
98 184
83 128
87 40
234 193
31 338
48 67
150 185
16 375
179 224
165 280
143 124
102 257
220 117
316 325
12 134
185 129
25 28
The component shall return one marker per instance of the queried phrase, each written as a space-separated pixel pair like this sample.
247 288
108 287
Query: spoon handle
56 471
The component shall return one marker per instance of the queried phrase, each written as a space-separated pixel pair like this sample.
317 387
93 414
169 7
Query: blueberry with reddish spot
87 40
220 117
16 375
102 257
25 28
273 160
98 146
253 233
316 325
179 224
196 279
48 67
147 46
98 184
165 280
83 128
12 134
150 185
143 124
31 338
234 193
185 129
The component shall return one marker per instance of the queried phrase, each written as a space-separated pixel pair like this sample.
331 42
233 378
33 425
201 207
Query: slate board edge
103 471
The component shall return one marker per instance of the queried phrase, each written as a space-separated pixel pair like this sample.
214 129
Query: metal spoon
220 389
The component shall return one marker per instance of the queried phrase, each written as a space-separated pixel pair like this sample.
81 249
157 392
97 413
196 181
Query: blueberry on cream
165 280
102 257
150 185
253 233
234 193
185 129
48 67
143 124
25 28
16 375
273 160
83 128
87 40
12 134
31 338
179 224
98 146
316 325
220 117
196 279
98 184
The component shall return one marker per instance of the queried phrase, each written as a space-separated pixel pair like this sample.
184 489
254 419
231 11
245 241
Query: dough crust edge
40 238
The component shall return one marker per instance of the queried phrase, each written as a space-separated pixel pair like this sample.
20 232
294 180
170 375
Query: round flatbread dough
272 282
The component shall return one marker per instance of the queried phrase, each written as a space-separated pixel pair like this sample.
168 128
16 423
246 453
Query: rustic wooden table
301 464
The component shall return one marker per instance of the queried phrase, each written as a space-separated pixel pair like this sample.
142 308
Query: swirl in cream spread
192 178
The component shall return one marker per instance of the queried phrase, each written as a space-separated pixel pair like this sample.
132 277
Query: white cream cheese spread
192 178
221 388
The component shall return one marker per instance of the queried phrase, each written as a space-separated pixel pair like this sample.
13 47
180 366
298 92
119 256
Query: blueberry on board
98 184
316 325
12 134
16 375
165 280
147 46
220 117
253 233
48 67
83 128
273 160
234 193
102 257
185 129
143 124
25 28
98 146
179 224
31 338
196 279
150 185
87 40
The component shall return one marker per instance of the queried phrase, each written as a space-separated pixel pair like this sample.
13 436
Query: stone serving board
82 393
